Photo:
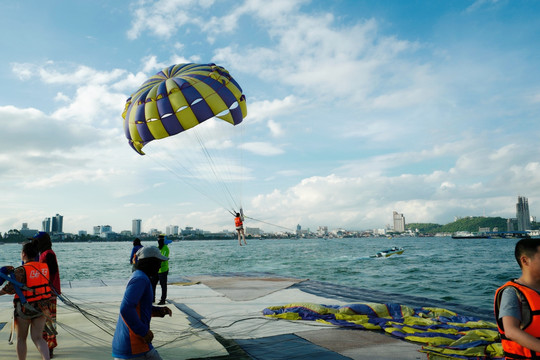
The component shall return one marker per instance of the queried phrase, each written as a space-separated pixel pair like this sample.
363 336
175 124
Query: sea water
465 272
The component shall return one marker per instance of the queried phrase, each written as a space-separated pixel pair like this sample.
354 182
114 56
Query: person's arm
128 308
20 276
514 333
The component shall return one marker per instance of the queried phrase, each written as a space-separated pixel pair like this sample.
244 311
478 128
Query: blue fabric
134 319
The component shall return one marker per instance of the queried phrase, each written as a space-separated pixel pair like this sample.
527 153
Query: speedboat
388 252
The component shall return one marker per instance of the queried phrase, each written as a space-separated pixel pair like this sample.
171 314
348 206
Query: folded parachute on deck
444 333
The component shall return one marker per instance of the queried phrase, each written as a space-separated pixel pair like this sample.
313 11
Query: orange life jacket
37 280
238 221
530 300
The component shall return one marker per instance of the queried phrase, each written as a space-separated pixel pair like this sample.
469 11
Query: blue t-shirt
134 319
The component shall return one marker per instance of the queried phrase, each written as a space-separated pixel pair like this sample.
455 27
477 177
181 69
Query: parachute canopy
178 98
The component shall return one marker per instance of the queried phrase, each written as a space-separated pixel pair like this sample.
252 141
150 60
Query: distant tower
136 227
522 214
171 230
57 224
399 222
46 225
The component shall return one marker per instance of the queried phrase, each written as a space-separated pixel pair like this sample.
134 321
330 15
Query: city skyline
355 109
521 222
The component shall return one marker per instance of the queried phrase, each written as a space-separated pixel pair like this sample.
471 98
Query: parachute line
186 181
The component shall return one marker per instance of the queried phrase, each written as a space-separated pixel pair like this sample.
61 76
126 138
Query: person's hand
148 337
165 310
6 269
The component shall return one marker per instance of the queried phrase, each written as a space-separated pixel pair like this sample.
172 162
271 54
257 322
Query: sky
355 108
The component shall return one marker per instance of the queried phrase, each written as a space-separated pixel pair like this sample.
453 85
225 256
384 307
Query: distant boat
469 235
388 252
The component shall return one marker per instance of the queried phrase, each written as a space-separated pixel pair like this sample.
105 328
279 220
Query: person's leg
163 284
51 338
21 327
239 237
154 281
36 332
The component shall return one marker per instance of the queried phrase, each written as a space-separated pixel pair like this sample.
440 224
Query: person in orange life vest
47 255
516 301
238 222
34 313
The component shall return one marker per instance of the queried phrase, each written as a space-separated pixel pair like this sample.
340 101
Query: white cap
150 252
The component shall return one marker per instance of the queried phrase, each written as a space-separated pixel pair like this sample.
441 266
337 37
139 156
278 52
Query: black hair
43 242
527 247
137 241
161 242
30 249
237 214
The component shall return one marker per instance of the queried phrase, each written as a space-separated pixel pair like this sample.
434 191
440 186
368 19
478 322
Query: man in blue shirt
133 337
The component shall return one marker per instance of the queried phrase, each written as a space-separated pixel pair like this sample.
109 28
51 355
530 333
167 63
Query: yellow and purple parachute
178 98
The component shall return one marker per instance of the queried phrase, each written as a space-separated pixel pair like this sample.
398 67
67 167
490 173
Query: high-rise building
46 225
522 214
136 227
399 222
57 224
171 230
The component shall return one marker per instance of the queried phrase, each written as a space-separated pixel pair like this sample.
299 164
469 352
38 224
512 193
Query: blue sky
355 109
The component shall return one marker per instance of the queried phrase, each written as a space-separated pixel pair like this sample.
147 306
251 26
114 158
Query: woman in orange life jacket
517 305
32 314
240 228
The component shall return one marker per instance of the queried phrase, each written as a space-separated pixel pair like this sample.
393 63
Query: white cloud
151 65
151 16
275 128
262 148
269 109
81 74
330 63
61 97
479 4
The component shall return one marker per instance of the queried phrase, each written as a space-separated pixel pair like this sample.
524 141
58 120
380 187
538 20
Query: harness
530 323
10 276
238 222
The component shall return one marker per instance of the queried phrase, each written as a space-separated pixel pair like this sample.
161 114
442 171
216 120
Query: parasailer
182 97
239 224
